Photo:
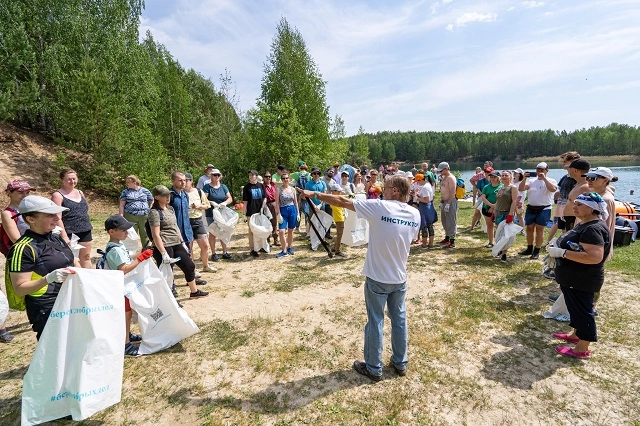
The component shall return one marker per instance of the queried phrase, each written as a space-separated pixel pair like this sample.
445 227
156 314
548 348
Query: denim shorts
539 218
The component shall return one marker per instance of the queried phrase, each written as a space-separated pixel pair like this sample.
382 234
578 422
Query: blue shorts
538 217
289 214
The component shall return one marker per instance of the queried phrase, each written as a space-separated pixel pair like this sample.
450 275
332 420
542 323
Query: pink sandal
567 337
568 351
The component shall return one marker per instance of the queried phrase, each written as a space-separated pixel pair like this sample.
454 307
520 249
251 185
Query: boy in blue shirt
117 258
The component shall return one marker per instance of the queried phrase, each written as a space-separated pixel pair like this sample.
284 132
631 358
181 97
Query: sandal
567 337
130 350
568 351
135 337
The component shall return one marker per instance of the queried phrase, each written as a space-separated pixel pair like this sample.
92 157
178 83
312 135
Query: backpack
102 263
5 241
303 179
147 227
461 189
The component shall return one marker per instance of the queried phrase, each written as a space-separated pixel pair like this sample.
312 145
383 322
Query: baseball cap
19 185
253 172
160 190
315 170
542 165
300 163
580 164
336 187
442 166
344 172
210 166
495 173
36 203
418 177
117 222
519 170
188 176
598 171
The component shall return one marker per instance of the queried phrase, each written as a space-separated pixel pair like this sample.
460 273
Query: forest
80 72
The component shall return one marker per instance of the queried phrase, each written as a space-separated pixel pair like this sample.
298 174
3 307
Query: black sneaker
328 237
214 257
361 368
227 256
534 255
174 291
449 245
198 294
554 297
400 371
526 252
262 250
254 253
200 282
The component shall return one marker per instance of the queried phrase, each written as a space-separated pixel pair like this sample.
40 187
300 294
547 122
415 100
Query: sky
437 65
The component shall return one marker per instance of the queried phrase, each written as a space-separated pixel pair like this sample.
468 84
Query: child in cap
117 258
338 218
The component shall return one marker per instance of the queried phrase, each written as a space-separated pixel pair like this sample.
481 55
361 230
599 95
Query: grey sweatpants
449 219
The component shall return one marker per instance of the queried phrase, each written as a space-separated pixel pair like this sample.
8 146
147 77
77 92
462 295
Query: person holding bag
168 246
39 261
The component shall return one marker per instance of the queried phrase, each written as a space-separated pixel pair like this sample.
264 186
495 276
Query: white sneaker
209 269
197 274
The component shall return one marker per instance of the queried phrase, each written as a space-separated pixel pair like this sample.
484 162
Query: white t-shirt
392 226
538 194
426 190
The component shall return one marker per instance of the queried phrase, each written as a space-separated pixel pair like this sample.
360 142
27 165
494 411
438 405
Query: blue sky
428 65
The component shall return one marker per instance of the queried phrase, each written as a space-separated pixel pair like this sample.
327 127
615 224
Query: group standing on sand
398 206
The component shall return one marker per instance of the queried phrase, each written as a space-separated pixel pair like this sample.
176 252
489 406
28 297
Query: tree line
512 145
78 71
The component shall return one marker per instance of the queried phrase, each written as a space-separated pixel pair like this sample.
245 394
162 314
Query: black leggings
185 263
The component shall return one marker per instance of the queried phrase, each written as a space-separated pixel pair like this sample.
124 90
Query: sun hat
336 164
19 185
442 166
36 203
542 165
117 222
599 171
215 172
210 166
160 190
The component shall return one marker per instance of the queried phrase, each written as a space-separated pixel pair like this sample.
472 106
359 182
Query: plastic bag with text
162 322
224 223
322 222
77 366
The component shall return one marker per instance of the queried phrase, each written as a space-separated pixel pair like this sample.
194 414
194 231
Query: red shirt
270 189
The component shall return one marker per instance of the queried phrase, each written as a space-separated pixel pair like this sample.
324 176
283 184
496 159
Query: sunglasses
216 175
267 177
591 179
315 173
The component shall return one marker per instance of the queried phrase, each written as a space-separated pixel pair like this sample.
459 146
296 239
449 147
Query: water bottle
574 246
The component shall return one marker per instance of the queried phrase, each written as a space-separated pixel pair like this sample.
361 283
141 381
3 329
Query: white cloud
449 27
532 4
475 17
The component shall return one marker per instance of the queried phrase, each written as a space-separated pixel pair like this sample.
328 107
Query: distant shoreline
591 158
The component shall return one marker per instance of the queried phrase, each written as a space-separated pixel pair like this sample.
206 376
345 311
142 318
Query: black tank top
76 219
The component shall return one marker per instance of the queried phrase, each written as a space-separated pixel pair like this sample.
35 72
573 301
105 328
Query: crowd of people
38 233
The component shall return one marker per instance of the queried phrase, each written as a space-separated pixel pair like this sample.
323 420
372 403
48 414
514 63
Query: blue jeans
376 295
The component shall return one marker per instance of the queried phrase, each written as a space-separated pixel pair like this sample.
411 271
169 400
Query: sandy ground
515 395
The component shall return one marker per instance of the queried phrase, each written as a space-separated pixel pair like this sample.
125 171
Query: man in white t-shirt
541 190
392 226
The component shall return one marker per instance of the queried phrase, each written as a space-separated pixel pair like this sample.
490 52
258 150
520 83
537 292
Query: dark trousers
580 307
329 211
185 263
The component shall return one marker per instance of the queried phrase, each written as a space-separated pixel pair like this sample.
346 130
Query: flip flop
567 337
568 351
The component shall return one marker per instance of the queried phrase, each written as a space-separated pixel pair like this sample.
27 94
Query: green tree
293 97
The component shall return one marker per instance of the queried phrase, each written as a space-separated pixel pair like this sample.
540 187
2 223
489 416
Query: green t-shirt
491 192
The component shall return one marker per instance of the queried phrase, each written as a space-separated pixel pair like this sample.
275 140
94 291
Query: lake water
628 176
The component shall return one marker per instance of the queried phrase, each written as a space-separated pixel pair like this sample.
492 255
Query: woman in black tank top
75 220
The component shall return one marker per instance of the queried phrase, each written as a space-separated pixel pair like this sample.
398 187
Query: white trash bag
224 223
4 307
74 245
356 230
131 243
505 236
558 311
162 322
261 227
77 366
322 221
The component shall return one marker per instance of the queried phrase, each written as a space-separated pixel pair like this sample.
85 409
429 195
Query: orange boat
626 210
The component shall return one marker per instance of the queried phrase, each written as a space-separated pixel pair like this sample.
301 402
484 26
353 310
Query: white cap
542 165
408 174
598 171
442 166
519 170
35 203
215 172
